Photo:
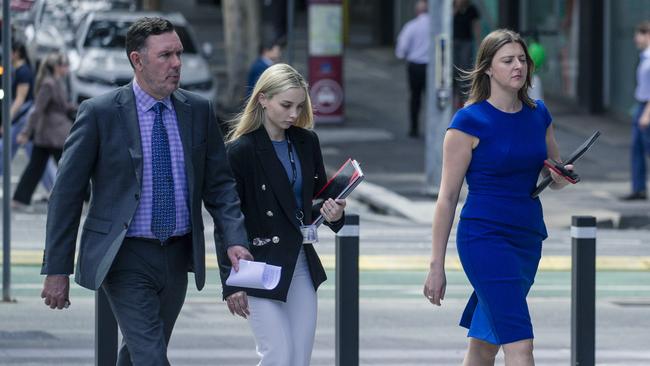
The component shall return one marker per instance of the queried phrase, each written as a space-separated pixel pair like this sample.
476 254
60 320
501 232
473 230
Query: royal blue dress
501 228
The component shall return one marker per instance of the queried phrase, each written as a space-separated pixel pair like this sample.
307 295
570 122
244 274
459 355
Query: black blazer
269 205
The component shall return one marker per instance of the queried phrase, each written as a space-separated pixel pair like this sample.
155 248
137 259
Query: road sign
326 60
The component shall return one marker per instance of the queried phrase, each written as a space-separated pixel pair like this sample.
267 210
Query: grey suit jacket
104 147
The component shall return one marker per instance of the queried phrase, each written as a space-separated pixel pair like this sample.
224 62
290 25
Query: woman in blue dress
498 142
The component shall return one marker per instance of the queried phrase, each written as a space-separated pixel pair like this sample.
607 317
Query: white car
50 30
99 63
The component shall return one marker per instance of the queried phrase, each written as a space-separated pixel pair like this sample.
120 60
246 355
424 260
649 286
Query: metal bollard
347 292
583 290
105 331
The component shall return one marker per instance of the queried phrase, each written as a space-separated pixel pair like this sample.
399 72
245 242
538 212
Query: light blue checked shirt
141 224
642 91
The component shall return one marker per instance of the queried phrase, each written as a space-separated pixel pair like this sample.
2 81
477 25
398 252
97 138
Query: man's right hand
238 304
56 291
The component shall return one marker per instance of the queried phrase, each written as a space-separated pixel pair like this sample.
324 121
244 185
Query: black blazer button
126 226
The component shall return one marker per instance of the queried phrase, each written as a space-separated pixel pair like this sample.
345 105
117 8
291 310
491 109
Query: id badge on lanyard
309 232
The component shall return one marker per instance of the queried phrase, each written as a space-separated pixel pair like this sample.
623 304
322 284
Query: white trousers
284 332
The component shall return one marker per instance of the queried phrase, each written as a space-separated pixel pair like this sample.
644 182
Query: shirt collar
267 61
144 101
646 53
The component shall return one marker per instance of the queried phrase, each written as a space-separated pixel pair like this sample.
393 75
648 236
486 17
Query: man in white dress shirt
413 46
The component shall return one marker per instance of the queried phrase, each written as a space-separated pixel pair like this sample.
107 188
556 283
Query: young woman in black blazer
277 163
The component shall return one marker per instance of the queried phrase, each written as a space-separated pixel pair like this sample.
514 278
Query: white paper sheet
257 275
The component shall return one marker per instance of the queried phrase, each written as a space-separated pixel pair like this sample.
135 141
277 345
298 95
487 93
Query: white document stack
257 275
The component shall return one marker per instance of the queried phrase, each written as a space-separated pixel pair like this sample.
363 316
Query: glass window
622 53
112 34
556 24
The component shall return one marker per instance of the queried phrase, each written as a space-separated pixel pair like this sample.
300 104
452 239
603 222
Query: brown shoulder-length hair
47 67
480 81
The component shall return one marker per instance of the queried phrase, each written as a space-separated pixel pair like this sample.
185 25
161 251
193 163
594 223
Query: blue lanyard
292 160
294 175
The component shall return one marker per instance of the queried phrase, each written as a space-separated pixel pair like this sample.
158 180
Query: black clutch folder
346 179
577 154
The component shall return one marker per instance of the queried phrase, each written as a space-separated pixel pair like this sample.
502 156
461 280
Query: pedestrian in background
498 142
269 54
22 91
413 46
641 122
467 34
22 85
47 126
154 155
277 163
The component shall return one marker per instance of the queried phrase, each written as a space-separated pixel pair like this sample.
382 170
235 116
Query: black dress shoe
634 196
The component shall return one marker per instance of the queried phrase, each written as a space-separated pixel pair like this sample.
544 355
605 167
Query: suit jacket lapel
275 173
127 112
184 117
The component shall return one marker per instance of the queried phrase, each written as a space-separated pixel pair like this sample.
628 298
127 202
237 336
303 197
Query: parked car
50 29
84 7
99 62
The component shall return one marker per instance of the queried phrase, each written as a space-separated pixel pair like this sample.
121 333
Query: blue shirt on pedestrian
642 92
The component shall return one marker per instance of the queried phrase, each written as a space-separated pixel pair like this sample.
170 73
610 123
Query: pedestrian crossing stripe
408 262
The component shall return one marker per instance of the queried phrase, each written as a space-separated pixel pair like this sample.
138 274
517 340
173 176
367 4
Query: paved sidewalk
375 133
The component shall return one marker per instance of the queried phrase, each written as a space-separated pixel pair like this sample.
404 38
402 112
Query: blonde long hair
274 80
480 81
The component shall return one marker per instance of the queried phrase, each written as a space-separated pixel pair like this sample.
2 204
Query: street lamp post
6 154
291 11
438 91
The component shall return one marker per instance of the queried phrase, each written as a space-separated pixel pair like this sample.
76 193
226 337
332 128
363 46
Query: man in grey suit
152 153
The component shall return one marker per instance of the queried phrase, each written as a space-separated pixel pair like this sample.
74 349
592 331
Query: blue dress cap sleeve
545 113
465 120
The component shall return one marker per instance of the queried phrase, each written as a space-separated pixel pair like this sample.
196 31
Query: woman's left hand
332 210
558 180
644 121
22 139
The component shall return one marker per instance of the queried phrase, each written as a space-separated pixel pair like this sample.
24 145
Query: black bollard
105 331
347 292
583 290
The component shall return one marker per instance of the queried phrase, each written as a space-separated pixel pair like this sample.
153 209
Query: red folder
346 179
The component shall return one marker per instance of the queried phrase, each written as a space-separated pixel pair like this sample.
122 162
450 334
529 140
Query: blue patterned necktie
163 213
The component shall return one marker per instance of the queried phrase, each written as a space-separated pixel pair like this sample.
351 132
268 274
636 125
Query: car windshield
112 34
56 14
